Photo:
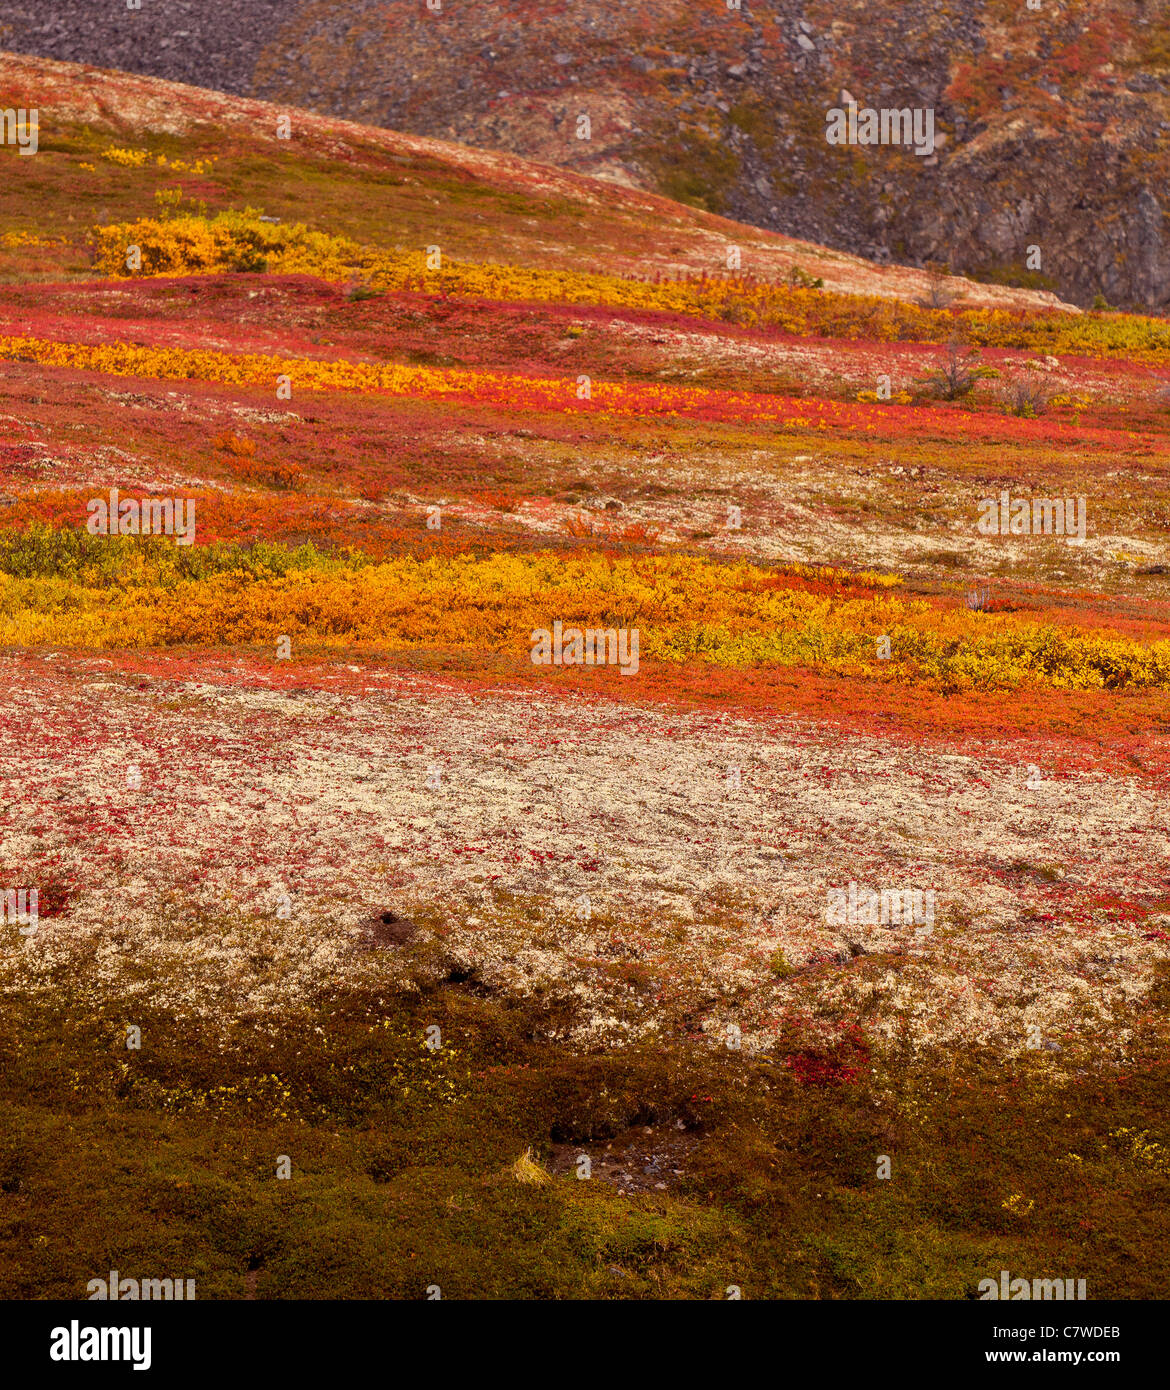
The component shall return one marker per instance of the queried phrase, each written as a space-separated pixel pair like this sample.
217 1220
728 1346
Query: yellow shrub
685 609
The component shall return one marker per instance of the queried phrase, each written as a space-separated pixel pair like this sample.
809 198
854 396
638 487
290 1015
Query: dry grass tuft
528 1171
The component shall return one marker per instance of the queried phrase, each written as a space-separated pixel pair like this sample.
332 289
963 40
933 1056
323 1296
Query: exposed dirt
647 1158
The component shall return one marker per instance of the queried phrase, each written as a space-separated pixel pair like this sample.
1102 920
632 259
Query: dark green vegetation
162 1162
42 551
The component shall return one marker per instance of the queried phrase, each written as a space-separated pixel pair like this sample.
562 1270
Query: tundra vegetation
330 870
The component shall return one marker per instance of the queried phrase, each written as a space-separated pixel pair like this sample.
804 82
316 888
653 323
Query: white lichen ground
325 793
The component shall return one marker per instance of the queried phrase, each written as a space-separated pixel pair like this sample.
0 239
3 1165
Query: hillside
1053 126
313 448
493 206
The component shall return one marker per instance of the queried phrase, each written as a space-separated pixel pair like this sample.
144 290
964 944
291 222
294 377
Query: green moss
778 964
1153 45
163 1161
754 117
43 551
1016 274
693 167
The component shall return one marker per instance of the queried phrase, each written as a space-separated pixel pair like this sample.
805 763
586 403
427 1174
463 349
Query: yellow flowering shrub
872 397
514 391
136 159
11 240
1141 1149
238 240
127 158
685 609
